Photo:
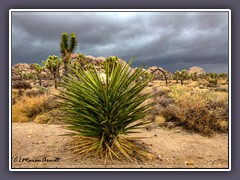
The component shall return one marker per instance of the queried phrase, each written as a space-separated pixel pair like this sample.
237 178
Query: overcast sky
171 40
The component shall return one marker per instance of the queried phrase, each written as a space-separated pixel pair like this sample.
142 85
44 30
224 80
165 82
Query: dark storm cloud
172 40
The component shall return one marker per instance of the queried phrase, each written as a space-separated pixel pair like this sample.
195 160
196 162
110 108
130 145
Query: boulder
100 59
197 70
22 66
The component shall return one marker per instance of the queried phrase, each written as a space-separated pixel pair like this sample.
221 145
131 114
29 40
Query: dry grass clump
221 89
160 120
201 110
51 117
14 93
17 94
27 108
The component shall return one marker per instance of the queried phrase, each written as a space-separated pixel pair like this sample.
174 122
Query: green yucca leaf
99 111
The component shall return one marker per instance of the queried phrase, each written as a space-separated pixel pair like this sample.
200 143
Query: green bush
101 111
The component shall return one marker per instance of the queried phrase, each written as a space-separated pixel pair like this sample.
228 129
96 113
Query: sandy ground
42 146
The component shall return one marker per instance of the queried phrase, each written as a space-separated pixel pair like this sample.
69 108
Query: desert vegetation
103 101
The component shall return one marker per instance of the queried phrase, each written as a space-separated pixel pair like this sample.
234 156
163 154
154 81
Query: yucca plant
112 61
101 112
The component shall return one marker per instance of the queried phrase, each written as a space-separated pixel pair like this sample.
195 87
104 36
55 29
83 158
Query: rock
22 66
197 70
90 58
47 83
100 59
189 163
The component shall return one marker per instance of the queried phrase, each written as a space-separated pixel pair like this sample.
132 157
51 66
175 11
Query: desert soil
173 148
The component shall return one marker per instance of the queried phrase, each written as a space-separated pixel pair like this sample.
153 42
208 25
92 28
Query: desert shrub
199 110
161 102
27 108
15 95
203 82
51 117
36 92
222 126
101 112
21 85
221 89
28 76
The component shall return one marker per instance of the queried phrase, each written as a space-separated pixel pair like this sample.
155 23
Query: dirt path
174 148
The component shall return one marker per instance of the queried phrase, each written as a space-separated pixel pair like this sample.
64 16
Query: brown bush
201 110
27 108
21 85
36 92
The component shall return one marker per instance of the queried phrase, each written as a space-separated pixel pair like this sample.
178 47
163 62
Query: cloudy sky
171 40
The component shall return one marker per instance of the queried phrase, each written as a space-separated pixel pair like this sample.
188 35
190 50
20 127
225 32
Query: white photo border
119 10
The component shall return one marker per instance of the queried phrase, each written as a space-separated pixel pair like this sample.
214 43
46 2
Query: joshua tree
177 75
67 46
213 75
223 76
194 76
181 75
38 70
212 79
53 63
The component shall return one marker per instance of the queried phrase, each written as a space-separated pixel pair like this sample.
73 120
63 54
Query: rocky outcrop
22 66
21 71
197 70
